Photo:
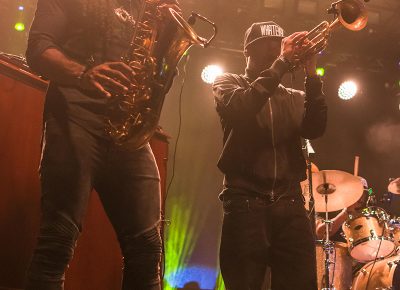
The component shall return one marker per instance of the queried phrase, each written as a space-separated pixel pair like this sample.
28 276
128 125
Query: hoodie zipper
271 114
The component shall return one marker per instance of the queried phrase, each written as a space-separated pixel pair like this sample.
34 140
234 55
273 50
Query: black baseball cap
260 30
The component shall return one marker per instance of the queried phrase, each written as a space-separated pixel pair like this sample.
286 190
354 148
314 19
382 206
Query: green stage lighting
320 71
19 26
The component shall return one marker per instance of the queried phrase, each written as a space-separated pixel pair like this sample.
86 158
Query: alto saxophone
160 38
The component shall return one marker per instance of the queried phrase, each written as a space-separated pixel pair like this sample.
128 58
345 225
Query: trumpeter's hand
290 46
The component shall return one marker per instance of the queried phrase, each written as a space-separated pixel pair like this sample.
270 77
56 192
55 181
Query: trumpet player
78 45
265 222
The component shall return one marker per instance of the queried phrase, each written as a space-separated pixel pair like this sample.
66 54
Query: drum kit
372 237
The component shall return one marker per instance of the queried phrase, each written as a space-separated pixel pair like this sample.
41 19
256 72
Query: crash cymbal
314 168
394 186
342 189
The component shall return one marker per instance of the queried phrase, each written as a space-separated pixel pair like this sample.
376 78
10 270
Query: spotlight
21 8
347 90
210 73
19 26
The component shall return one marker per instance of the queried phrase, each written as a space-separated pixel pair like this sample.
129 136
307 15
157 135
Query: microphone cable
165 221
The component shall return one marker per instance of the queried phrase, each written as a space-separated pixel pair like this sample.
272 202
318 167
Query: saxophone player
78 45
265 222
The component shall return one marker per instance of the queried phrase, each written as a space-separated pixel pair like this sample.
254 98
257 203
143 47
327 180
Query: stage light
21 8
210 73
320 71
347 90
19 26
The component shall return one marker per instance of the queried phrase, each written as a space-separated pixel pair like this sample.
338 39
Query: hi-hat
394 186
342 189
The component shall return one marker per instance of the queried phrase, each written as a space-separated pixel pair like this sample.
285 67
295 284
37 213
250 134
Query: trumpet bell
352 14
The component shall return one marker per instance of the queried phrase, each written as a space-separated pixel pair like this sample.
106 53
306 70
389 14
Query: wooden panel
97 262
20 127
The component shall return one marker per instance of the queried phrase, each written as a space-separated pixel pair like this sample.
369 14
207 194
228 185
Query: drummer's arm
336 224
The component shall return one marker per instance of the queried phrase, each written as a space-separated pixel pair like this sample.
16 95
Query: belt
264 188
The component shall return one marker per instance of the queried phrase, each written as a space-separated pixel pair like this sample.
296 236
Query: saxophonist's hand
108 79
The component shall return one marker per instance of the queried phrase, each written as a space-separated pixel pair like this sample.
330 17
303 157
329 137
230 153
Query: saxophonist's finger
101 90
119 76
122 67
114 85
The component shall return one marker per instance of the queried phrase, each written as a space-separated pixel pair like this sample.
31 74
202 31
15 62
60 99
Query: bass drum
385 274
340 267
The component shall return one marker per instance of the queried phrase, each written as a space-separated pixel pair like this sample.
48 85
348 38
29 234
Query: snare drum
366 233
339 269
384 274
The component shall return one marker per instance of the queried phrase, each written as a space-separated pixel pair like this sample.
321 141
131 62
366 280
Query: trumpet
351 14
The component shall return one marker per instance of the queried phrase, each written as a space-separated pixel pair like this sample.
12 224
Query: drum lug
393 263
365 272
373 234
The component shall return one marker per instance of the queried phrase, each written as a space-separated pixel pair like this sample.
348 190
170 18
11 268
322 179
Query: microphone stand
308 154
327 245
309 151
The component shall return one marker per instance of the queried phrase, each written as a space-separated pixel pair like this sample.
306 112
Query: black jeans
257 233
74 162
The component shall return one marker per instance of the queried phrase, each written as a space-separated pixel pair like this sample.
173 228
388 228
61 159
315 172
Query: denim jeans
257 233
74 162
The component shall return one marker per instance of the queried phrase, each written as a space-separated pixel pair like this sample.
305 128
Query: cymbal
342 189
394 186
314 168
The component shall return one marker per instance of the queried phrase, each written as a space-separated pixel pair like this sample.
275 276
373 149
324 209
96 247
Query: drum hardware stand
326 189
327 245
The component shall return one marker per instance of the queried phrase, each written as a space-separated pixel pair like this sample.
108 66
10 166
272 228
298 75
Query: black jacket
263 123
